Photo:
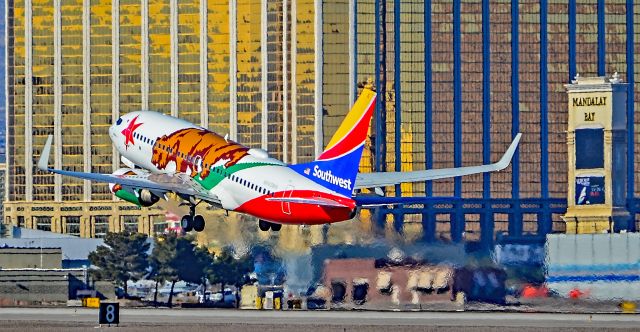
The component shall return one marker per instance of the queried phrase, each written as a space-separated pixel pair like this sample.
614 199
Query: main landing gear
192 221
265 226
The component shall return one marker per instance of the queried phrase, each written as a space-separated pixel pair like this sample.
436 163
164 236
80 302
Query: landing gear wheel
263 225
198 223
187 223
276 227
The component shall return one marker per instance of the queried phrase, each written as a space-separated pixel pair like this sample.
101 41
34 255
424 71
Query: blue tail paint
337 174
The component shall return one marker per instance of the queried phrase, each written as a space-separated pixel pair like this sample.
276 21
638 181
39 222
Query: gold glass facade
500 96
275 79
42 31
304 83
189 60
249 77
72 42
558 117
218 55
101 58
412 147
159 56
442 80
335 76
72 99
130 56
16 182
365 64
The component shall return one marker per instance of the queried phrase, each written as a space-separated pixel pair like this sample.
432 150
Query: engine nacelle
140 197
147 198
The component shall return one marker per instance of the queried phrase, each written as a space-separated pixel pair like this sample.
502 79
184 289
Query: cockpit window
119 121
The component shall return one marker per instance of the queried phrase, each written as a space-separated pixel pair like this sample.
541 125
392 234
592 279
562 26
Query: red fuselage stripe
298 213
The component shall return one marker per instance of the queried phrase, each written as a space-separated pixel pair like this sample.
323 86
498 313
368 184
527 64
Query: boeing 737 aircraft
164 154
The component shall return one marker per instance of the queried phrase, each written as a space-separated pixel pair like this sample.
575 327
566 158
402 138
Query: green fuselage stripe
218 173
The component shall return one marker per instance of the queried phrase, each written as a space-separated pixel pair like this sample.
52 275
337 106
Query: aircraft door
286 206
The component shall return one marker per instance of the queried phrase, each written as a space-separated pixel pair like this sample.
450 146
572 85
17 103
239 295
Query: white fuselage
253 176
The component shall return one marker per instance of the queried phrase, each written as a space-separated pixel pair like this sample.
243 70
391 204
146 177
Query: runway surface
54 319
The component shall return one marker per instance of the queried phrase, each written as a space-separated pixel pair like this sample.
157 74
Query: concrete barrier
595 266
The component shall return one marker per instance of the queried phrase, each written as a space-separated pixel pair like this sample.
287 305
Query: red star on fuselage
128 132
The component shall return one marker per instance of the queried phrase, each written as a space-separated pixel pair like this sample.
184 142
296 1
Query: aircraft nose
113 128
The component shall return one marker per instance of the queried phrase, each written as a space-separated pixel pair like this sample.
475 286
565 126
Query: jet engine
139 197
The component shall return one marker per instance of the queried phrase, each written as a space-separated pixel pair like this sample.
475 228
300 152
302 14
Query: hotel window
100 226
43 223
129 223
72 225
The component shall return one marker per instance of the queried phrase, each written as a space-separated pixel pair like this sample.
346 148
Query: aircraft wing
177 183
382 179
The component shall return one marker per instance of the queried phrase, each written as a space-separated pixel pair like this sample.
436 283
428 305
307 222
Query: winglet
43 162
508 155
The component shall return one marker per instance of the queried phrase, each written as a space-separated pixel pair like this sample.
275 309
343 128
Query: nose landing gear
192 221
265 226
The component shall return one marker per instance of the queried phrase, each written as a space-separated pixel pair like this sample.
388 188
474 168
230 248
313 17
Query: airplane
164 154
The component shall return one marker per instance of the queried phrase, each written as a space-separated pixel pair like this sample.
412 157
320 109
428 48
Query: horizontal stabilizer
383 179
369 201
313 201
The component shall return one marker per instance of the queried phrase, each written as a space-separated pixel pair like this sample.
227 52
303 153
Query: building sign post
597 160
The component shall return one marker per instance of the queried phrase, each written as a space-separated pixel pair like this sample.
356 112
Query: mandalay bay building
456 80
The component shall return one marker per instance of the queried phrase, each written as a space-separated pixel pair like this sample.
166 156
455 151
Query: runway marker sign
109 313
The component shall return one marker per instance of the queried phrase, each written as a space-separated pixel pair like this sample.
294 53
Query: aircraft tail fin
337 166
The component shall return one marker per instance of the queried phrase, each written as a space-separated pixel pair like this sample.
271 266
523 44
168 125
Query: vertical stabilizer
337 166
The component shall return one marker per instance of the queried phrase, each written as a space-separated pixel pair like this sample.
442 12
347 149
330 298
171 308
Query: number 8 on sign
109 313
